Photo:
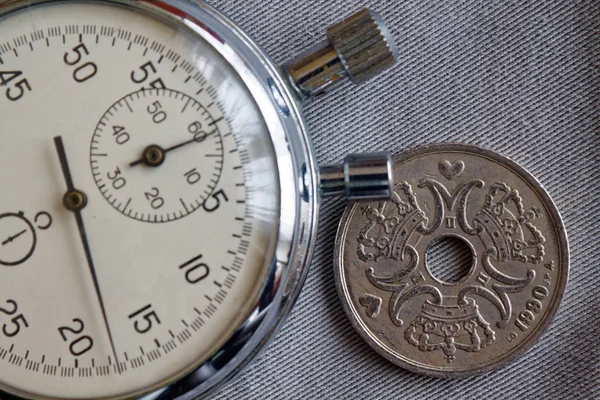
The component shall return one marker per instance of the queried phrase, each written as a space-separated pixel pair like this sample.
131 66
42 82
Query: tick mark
128 106
186 104
184 205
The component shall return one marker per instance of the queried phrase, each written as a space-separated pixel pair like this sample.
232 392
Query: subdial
157 155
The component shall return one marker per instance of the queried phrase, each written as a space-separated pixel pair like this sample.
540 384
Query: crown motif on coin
509 227
390 225
458 326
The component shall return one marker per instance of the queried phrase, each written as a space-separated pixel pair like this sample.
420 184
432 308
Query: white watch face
162 243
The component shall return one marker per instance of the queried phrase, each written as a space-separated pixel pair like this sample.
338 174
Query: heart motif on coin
451 170
373 304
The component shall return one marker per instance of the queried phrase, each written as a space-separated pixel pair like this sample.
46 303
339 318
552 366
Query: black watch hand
75 201
154 155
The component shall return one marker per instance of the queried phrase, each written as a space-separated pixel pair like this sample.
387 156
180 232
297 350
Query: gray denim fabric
517 76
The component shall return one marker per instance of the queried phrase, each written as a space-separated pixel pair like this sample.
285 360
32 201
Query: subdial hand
75 200
10 239
154 155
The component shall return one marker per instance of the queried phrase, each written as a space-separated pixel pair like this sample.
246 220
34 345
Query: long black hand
76 207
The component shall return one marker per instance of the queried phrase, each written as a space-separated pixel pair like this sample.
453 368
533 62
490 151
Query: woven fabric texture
518 77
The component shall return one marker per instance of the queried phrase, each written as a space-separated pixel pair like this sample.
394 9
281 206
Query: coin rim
563 277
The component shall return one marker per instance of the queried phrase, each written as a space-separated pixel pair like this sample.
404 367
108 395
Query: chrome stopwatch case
159 195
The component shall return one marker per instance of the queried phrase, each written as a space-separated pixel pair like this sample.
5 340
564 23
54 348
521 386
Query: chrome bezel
298 181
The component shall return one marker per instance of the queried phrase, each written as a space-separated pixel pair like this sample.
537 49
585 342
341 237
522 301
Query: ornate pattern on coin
505 301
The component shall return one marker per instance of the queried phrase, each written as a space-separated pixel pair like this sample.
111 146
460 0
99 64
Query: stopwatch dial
140 199
156 155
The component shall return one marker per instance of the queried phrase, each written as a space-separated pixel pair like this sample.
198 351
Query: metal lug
362 177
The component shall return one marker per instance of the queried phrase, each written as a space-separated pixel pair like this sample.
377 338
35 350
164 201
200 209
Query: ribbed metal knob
358 48
364 45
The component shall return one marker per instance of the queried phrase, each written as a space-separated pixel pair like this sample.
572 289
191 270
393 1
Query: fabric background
519 77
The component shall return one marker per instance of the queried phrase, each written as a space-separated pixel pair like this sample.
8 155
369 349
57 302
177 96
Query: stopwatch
159 192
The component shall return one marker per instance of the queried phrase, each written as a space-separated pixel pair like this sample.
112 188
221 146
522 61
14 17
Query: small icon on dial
18 239
157 155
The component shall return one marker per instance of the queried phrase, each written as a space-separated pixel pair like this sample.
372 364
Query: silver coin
508 297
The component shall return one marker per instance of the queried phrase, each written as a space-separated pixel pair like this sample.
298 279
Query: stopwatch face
179 199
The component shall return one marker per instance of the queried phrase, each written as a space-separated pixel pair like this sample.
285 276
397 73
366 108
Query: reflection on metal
357 48
366 176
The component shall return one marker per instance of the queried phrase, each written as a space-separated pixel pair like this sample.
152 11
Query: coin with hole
462 271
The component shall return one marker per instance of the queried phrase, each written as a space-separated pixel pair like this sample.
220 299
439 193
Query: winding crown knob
358 48
364 45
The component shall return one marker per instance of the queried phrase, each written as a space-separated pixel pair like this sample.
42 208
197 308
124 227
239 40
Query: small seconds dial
156 155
